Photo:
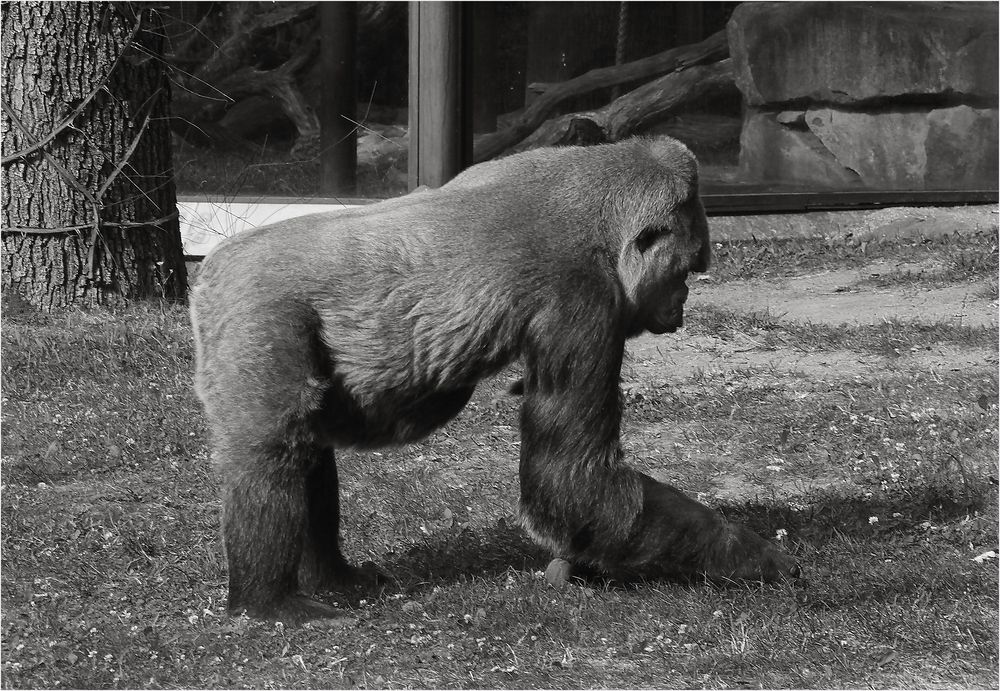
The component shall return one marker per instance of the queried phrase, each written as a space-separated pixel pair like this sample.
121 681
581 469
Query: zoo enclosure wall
781 117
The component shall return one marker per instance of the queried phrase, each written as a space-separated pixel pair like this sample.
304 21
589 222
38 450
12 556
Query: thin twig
74 183
128 155
68 230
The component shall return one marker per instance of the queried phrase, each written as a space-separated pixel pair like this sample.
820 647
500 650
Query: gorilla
372 326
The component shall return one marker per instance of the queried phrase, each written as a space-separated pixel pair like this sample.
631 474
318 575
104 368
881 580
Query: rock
901 148
558 572
772 152
852 52
962 147
791 118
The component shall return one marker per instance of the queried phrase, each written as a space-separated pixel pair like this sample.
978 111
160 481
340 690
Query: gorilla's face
660 257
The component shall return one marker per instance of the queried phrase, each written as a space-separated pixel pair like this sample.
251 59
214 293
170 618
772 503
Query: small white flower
872 520
780 534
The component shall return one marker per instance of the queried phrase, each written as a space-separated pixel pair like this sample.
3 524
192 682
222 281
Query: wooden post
440 135
338 135
483 40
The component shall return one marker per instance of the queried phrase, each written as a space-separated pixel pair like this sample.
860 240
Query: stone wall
868 95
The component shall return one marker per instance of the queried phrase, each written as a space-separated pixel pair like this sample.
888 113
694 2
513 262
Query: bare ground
879 291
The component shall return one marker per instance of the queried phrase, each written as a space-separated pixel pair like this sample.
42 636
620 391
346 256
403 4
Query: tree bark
89 209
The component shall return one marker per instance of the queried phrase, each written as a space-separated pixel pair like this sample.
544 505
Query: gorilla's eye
647 236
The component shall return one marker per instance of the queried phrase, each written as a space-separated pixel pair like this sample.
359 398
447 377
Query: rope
620 42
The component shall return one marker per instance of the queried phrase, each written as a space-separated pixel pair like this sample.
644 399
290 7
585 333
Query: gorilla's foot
741 554
683 537
342 576
294 610
367 576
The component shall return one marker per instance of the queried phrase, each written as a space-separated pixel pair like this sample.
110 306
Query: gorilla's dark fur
372 327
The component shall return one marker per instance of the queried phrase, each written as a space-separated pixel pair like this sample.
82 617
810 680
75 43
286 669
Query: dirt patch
656 361
848 297
692 362
864 224
831 298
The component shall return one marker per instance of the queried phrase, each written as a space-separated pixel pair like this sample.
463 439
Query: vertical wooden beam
338 135
483 39
440 135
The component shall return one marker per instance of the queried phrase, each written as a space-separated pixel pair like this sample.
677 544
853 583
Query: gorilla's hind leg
264 522
323 564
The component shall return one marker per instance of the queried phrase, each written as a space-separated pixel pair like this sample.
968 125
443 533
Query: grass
890 337
962 256
884 483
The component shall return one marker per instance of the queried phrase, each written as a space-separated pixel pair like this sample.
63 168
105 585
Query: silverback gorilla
372 327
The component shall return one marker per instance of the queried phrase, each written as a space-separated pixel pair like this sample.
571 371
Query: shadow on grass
469 553
826 516
820 516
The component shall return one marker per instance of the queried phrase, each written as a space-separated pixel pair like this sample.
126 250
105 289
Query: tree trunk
89 210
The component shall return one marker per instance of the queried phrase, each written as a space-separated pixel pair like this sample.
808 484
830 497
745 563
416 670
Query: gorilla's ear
647 236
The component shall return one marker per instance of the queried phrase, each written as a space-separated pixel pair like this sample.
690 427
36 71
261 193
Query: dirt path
854 297
686 361
833 298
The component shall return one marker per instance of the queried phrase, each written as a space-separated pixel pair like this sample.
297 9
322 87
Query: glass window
309 101
288 99
771 97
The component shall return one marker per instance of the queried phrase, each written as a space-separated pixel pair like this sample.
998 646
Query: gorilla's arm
578 497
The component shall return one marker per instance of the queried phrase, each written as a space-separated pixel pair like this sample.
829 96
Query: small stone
558 572
791 117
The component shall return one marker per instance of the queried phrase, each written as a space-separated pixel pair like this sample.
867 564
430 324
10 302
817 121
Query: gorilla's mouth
670 316
667 322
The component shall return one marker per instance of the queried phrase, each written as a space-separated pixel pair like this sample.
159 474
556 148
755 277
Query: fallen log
280 83
224 77
711 49
635 110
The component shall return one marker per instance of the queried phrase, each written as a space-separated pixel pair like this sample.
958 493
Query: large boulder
778 147
871 95
852 52
901 148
